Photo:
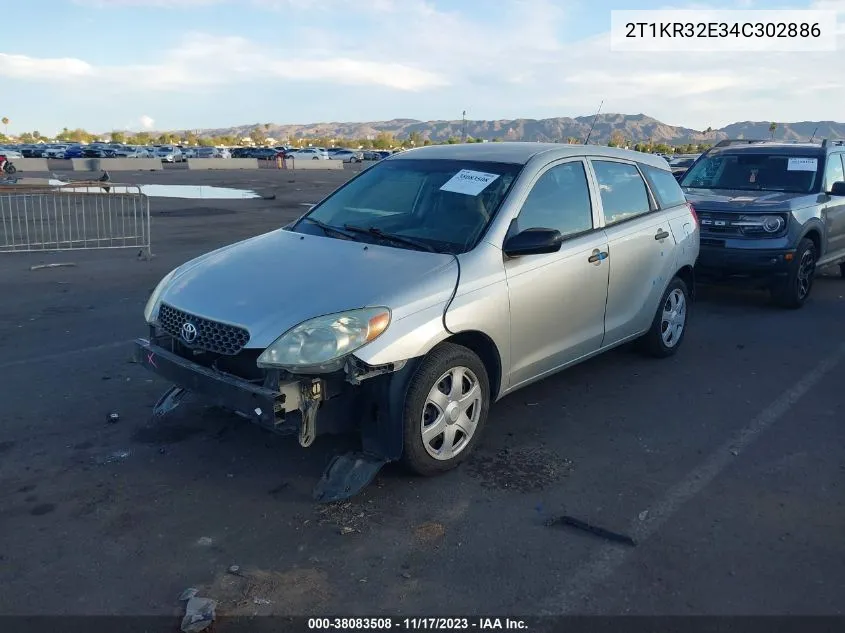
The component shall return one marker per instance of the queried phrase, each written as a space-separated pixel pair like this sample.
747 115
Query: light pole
464 127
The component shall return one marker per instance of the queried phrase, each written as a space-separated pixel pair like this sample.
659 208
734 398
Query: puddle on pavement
195 192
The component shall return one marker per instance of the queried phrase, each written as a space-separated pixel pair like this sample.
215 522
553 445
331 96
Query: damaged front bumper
261 403
360 398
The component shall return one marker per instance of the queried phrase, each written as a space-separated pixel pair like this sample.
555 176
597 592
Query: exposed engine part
357 370
309 403
169 400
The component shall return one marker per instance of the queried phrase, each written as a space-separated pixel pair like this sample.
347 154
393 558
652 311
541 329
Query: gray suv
770 212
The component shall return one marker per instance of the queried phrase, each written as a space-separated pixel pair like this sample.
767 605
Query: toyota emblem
189 332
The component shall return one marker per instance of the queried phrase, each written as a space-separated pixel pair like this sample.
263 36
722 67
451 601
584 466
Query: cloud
517 58
147 122
205 61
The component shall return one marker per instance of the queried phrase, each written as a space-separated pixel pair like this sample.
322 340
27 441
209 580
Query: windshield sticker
802 164
469 182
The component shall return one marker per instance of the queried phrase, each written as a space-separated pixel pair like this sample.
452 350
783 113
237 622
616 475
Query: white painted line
580 584
60 355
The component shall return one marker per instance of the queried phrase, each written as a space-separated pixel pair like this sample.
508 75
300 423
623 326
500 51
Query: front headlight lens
151 309
320 344
760 224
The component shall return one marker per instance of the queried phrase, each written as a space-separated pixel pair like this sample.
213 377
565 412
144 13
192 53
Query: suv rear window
666 189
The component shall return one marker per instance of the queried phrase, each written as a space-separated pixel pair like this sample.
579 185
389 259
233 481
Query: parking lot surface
723 463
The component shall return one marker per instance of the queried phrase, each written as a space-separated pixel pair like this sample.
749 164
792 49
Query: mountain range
632 127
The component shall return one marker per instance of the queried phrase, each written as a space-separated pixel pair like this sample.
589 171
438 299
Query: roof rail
833 141
737 141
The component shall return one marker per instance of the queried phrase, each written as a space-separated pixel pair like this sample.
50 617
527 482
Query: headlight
321 344
760 224
151 309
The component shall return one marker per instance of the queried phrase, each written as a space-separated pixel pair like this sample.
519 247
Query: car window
560 199
446 204
833 171
623 192
665 187
755 171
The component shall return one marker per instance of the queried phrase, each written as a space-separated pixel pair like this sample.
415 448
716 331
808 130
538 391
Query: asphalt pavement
724 464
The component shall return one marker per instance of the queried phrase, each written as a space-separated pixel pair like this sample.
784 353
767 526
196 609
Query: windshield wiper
390 237
328 229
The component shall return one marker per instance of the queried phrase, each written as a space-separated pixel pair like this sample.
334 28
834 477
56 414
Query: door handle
597 257
661 235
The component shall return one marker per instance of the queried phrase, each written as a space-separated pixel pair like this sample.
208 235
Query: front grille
220 338
718 223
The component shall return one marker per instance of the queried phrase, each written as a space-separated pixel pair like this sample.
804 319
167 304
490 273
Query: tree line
258 136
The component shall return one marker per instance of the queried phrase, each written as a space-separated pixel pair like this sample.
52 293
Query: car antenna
814 134
595 118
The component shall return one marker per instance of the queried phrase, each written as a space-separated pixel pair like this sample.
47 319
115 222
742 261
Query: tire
11 169
669 325
842 269
316 158
794 292
424 455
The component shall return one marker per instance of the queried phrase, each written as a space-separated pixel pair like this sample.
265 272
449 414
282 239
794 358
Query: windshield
445 204
755 172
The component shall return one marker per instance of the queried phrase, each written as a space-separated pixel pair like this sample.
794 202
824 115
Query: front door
557 300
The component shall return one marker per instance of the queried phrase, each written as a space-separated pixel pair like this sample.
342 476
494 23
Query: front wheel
670 322
445 409
793 293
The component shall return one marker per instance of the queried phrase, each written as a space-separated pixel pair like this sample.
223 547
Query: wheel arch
485 348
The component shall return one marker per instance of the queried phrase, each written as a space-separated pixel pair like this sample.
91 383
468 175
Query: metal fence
80 215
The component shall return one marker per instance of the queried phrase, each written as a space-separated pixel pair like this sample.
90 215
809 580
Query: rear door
641 248
833 214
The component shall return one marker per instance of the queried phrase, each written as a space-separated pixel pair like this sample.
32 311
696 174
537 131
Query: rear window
664 186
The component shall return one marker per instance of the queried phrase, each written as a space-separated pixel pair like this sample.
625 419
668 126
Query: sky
108 65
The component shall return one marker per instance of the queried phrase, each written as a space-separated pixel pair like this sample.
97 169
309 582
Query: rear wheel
670 321
445 410
793 293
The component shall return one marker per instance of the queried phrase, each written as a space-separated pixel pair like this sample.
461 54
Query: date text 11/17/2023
416 624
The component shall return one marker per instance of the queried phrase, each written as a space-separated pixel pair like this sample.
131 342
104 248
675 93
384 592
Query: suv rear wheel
794 291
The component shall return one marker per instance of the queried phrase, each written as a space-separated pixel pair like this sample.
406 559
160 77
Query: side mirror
838 188
533 242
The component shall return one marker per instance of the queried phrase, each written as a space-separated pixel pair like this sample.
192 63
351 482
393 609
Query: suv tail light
694 214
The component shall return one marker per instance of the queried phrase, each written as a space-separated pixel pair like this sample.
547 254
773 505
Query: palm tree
772 128
5 120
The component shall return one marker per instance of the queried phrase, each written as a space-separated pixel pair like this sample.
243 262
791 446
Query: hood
741 200
270 283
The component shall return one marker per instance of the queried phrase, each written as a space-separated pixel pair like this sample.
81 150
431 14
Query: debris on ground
189 593
429 532
343 514
113 418
199 614
643 515
234 569
525 469
116 456
569 521
56 265
406 575
204 541
347 530
252 591
734 452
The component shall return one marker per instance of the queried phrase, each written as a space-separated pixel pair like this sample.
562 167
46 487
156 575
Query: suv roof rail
736 141
833 141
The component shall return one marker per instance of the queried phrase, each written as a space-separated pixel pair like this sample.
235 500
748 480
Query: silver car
426 288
